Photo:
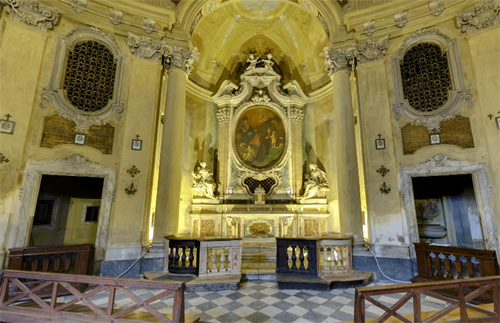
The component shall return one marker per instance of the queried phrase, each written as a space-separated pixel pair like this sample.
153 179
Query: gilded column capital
145 48
339 59
32 14
296 114
224 114
371 50
179 58
481 16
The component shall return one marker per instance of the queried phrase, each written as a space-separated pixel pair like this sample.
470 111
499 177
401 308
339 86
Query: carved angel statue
252 60
203 181
315 183
268 62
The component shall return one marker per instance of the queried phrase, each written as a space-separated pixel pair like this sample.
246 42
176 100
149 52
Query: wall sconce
7 126
384 188
379 143
229 191
136 143
131 190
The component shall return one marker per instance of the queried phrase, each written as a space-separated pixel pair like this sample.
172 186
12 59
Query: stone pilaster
296 118
178 63
223 116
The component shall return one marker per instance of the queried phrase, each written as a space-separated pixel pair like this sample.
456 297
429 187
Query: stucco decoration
180 58
56 95
115 16
483 15
74 165
145 48
457 95
32 14
369 27
79 5
436 7
400 18
440 165
371 50
148 25
347 58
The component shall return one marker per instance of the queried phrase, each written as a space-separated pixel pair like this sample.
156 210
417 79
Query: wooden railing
446 262
76 259
203 257
454 309
335 255
297 256
81 308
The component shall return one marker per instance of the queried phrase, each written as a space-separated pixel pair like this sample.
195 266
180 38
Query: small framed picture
497 120
7 126
379 144
435 139
80 139
136 144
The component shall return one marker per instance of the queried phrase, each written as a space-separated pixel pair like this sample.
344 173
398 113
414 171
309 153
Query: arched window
86 81
428 79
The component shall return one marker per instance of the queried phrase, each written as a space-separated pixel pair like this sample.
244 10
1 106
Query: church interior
125 122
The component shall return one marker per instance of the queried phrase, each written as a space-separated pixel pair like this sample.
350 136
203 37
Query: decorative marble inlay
207 228
259 228
385 188
145 48
180 58
30 13
483 15
311 227
133 171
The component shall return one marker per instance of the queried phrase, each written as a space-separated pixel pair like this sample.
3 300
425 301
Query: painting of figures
259 138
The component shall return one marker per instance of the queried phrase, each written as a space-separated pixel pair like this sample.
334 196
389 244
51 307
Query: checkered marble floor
256 301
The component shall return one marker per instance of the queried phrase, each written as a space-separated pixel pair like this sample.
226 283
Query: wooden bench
81 308
461 308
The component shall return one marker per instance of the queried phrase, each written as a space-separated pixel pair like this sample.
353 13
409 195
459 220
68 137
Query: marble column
223 117
296 117
178 63
339 63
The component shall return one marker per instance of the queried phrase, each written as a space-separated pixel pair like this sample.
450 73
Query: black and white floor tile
256 301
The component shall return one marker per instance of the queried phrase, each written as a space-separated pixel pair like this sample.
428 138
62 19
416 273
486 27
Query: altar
263 187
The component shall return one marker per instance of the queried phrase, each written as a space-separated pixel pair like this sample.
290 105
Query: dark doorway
67 210
447 211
